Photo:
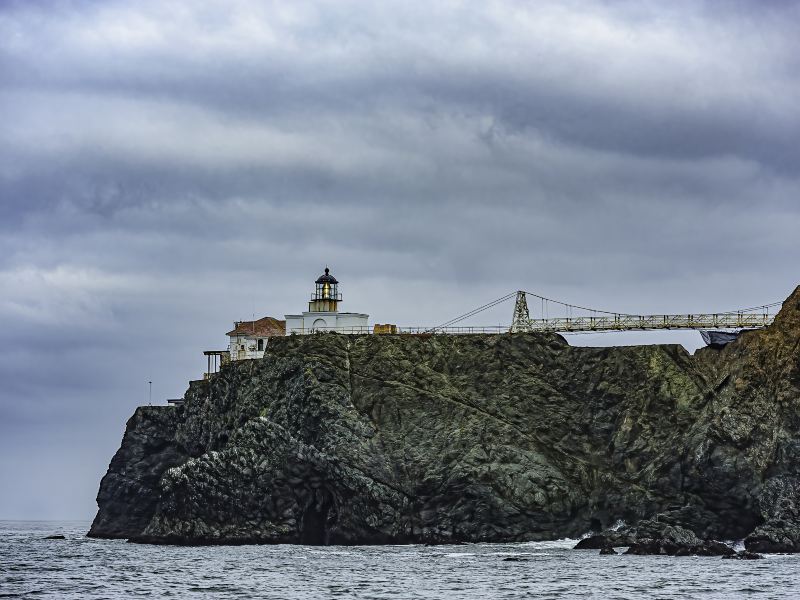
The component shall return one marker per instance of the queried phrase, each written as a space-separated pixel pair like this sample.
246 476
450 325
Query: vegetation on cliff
433 438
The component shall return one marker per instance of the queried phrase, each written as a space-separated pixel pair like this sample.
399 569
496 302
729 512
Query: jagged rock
647 546
744 555
654 536
443 439
659 536
607 550
715 548
665 533
777 537
54 537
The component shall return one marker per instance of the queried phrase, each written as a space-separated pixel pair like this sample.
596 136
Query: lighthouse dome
327 277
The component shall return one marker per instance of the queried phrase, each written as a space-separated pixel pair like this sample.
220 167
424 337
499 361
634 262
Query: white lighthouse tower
323 311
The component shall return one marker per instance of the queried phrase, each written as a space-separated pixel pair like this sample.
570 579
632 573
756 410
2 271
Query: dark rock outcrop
614 539
653 536
594 542
647 546
439 439
744 555
779 508
130 491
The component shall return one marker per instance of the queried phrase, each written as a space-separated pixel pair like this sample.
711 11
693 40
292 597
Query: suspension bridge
563 317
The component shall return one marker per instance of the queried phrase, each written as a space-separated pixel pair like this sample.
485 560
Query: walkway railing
402 330
345 330
454 330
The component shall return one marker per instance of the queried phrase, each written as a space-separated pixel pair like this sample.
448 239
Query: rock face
430 438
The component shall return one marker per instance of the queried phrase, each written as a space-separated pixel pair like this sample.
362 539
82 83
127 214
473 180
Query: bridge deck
639 322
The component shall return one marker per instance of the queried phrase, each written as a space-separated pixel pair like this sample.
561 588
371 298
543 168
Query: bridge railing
635 322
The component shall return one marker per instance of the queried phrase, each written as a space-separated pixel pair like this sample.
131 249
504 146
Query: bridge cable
623 314
473 312
751 309
571 306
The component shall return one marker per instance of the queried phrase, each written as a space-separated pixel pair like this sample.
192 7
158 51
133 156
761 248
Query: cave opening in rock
314 525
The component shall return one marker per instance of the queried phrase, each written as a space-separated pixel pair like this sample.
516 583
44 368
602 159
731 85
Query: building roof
327 278
264 327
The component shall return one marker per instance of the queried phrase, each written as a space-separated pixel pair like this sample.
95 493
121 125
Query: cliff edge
337 439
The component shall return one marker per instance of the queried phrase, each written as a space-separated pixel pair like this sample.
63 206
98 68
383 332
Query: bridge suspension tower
521 321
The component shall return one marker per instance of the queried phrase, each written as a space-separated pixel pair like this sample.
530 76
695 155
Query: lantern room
326 296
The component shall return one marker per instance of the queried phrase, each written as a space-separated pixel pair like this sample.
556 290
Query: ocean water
78 567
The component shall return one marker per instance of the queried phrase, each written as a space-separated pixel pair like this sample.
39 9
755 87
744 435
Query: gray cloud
168 168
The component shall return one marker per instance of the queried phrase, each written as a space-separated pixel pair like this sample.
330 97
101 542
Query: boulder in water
744 555
654 537
609 538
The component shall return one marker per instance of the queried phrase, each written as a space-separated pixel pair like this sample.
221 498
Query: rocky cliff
432 438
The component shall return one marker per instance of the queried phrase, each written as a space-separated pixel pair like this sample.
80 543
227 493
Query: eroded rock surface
378 439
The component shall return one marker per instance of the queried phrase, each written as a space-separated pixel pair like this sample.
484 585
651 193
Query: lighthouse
323 311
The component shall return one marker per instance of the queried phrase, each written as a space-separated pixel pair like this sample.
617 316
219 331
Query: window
241 347
260 345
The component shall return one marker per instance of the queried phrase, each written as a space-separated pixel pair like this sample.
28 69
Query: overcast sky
169 167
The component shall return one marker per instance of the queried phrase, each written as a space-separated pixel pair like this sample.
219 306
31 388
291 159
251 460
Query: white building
248 339
323 312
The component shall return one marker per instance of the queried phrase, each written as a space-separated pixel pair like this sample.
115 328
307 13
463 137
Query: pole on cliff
150 394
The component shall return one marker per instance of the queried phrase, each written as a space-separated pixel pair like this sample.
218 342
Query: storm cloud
169 167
